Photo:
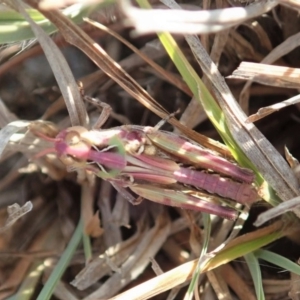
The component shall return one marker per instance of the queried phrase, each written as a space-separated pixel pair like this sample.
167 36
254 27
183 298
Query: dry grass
147 251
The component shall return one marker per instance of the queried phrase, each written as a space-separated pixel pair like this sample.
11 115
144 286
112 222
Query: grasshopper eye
76 146
72 138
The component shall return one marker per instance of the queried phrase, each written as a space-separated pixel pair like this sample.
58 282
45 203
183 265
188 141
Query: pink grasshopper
157 165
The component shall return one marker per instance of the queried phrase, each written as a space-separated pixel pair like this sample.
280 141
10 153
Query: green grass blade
27 288
278 260
201 93
228 254
87 247
201 262
86 196
254 268
206 233
62 264
14 28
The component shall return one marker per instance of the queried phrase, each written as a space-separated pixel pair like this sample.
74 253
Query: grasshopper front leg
105 111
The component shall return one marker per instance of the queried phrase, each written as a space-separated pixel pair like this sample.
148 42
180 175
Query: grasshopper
157 165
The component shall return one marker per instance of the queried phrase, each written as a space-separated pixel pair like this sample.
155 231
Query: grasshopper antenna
46 138
166 119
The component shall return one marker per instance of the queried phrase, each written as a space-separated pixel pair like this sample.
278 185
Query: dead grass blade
194 114
61 71
9 130
293 161
243 47
236 283
261 33
78 38
160 284
278 76
91 82
31 281
191 22
14 173
56 4
15 212
17 137
91 221
291 3
44 240
284 48
265 111
75 36
258 149
267 74
184 272
218 284
63 291
120 255
280 209
147 247
5 115
100 266
120 214
175 80
294 289
112 231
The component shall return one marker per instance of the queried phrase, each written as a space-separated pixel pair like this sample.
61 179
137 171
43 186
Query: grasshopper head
70 145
